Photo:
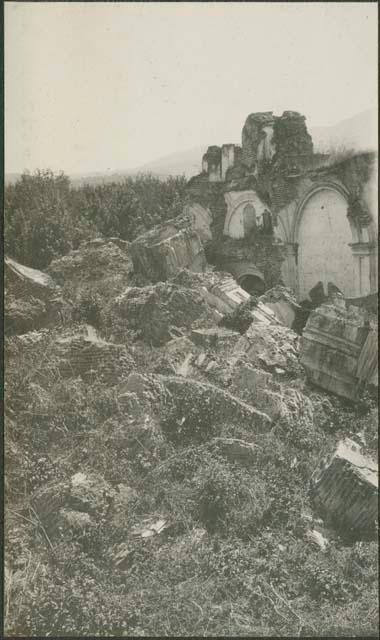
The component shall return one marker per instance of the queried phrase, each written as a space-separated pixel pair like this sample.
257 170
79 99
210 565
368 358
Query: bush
228 498
45 217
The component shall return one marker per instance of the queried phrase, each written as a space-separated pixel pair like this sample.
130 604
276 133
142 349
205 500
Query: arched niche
326 239
244 212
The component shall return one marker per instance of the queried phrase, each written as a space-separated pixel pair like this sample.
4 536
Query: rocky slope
158 466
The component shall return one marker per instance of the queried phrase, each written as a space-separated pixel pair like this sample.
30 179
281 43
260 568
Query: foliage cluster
45 216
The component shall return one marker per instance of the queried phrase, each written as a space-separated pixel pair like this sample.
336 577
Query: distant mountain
358 133
187 163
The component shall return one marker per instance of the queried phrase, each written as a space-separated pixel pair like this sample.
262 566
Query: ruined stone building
271 210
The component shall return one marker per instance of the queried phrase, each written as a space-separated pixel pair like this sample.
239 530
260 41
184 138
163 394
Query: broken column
345 488
212 163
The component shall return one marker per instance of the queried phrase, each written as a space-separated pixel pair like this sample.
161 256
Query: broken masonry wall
212 163
211 197
256 136
228 159
293 143
265 254
341 249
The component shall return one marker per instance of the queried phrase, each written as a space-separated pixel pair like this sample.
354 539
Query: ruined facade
277 212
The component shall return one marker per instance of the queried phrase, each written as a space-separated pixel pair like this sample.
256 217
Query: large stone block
160 253
24 282
331 346
345 488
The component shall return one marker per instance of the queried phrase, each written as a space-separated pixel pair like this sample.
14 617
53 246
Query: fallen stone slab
235 449
282 302
344 489
25 282
225 295
163 251
338 349
154 312
216 337
258 386
270 346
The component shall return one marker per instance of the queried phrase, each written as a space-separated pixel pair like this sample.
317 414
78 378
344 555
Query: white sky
97 86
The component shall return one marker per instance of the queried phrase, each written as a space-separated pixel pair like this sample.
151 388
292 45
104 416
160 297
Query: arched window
249 218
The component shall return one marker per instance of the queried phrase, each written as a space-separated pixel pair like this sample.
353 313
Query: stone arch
322 186
249 218
325 239
234 224
247 275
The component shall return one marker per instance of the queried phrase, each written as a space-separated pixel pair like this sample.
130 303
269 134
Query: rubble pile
169 444
156 311
101 264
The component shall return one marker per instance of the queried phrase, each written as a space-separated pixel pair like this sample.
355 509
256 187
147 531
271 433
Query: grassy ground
235 560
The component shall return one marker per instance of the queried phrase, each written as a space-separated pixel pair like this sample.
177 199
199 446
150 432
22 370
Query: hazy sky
97 86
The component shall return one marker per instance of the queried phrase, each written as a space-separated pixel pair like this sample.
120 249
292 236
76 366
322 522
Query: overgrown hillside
157 468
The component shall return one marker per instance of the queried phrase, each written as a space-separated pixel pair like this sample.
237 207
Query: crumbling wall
261 251
255 135
294 145
212 163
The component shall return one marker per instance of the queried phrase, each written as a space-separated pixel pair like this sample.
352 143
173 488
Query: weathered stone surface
153 311
283 304
91 357
331 345
269 346
345 488
75 504
257 132
24 282
163 251
294 145
89 493
226 295
32 300
200 220
156 391
76 521
256 386
235 449
216 337
224 406
100 265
